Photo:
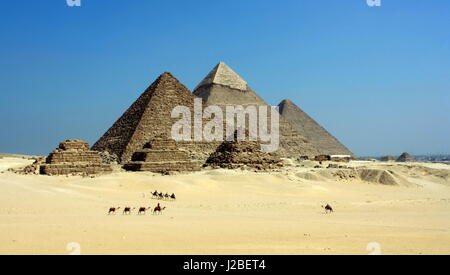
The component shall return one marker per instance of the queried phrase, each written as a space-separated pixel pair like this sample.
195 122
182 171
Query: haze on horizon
377 78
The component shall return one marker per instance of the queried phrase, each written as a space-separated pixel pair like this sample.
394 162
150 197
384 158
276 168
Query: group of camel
161 196
141 211
158 210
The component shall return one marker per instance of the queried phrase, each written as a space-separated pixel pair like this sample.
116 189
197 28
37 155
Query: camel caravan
143 210
161 196
157 210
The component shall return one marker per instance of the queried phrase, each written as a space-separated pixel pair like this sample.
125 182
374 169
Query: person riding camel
328 208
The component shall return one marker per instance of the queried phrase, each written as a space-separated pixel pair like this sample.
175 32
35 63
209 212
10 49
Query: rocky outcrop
322 158
109 158
238 154
378 176
31 169
73 157
388 158
161 156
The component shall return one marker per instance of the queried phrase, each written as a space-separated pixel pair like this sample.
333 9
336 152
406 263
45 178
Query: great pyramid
325 142
148 117
223 87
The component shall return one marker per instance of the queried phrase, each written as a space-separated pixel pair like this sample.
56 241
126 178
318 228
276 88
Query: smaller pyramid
236 154
405 157
161 155
73 157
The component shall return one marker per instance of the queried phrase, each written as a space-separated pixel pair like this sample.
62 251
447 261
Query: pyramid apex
222 74
285 101
166 75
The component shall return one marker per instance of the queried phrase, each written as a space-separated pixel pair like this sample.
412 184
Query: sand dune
231 211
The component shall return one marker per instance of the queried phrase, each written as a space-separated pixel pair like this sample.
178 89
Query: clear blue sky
378 78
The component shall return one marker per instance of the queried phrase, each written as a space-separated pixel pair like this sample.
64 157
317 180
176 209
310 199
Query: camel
158 209
113 210
143 210
161 196
328 208
155 194
173 196
166 196
127 210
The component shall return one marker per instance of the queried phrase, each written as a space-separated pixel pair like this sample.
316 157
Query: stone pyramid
325 142
405 157
223 87
147 118
73 157
161 155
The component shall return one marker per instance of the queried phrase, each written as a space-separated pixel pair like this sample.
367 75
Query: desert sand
230 211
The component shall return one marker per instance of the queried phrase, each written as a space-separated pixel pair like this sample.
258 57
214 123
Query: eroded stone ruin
161 155
243 154
73 157
388 158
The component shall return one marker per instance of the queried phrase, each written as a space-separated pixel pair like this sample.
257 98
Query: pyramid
405 157
147 118
223 87
161 155
325 142
73 157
